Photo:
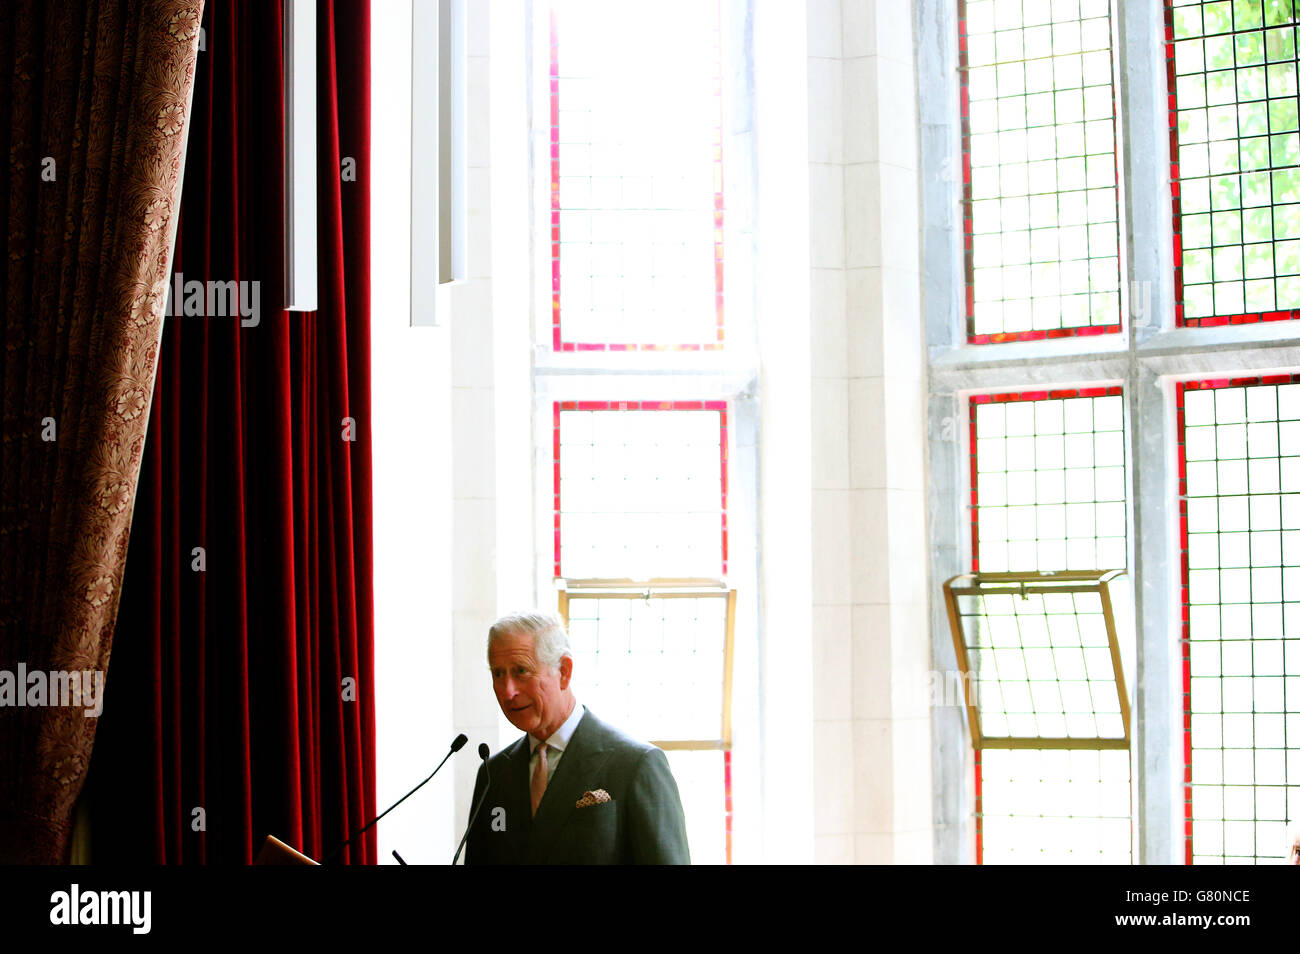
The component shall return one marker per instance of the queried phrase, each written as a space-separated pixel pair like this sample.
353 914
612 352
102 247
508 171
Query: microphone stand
483 753
456 746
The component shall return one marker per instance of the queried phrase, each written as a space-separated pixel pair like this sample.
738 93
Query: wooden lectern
276 852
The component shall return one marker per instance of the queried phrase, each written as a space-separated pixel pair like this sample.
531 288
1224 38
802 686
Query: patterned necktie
538 787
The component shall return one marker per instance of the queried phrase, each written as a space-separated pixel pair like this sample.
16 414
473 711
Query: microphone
457 744
483 753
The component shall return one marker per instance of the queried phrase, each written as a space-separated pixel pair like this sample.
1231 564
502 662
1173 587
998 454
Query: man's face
532 697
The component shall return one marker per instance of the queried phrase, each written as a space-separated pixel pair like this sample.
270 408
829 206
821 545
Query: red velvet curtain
240 697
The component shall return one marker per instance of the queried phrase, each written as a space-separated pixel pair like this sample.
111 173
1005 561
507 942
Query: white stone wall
871 643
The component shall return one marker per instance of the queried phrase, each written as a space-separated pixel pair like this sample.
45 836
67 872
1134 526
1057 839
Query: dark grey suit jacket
641 824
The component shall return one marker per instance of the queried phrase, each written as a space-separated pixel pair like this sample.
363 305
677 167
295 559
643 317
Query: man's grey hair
550 641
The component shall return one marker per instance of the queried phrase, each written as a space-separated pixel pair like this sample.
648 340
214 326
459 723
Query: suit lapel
578 770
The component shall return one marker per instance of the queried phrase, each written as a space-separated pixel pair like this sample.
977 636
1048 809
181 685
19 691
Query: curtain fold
241 698
94 103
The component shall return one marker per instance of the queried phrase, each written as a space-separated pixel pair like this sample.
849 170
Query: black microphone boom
483 753
457 744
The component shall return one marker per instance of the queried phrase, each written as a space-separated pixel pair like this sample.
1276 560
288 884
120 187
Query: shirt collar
559 739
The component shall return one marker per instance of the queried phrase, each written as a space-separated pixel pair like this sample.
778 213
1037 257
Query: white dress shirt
558 741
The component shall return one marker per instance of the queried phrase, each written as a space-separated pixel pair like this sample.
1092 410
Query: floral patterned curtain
94 101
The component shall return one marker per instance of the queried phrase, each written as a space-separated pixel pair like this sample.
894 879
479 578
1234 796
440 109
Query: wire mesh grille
636 203
1235 139
1240 532
1048 485
640 489
1047 493
1041 664
1039 169
654 666
1055 807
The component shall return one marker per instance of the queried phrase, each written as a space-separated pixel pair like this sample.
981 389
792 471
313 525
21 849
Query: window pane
1042 665
1054 807
1048 492
1048 486
703 781
652 667
636 175
1039 170
640 489
1236 162
1240 534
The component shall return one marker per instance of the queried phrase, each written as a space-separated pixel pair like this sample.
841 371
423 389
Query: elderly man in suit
573 790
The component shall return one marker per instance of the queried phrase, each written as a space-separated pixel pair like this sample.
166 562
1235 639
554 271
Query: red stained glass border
559 406
1185 605
557 337
979 809
1180 318
968 218
726 770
